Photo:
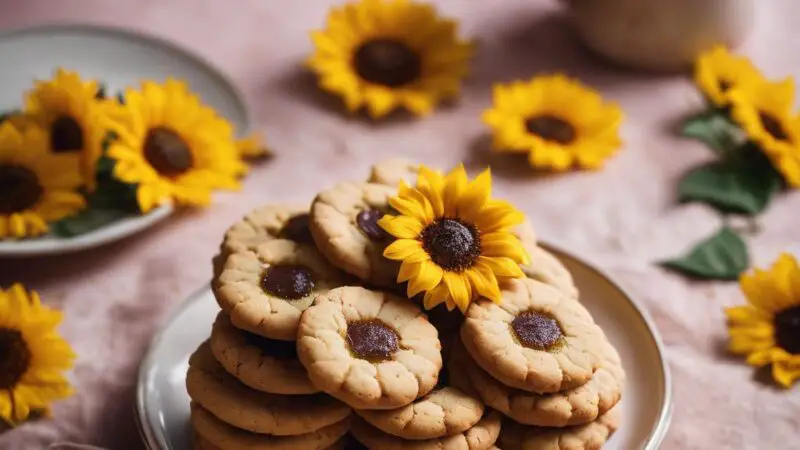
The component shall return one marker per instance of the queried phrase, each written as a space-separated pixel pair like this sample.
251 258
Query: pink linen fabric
622 218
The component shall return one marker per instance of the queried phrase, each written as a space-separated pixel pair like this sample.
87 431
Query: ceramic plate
163 405
118 59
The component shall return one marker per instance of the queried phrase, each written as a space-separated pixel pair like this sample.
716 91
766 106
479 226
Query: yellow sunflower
252 147
33 356
173 147
389 54
558 121
717 72
454 241
36 186
765 111
767 329
67 107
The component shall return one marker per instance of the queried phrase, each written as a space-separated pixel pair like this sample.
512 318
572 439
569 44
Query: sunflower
717 72
765 111
558 121
71 112
36 186
767 329
252 147
172 146
387 54
454 241
32 355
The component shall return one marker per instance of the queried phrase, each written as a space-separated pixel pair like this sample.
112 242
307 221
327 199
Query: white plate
162 405
118 59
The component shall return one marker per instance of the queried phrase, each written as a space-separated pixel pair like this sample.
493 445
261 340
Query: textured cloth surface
622 218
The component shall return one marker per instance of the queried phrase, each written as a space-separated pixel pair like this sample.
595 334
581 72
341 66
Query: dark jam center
551 128
296 229
66 135
167 152
272 347
773 127
19 189
14 357
787 329
289 282
451 244
387 62
367 221
372 340
536 330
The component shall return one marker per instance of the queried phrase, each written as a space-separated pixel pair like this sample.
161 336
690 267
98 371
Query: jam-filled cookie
216 434
591 436
266 223
211 387
372 350
267 365
394 170
545 267
537 339
447 410
344 223
481 436
264 291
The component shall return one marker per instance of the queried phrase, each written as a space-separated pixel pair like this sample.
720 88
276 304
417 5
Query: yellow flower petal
401 227
428 277
436 296
763 357
408 270
475 197
402 249
501 266
783 375
457 288
485 283
454 184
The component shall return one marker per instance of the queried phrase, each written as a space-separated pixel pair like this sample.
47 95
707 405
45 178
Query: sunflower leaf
88 220
723 256
714 129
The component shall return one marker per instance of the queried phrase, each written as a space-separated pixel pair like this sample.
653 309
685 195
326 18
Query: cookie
537 339
210 386
575 406
372 350
267 223
591 436
266 290
481 436
447 410
394 170
264 364
344 224
545 267
219 435
526 233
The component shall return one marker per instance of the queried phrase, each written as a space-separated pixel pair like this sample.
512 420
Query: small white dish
162 404
118 59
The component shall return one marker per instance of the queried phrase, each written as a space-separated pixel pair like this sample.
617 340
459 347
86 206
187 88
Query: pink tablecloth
623 218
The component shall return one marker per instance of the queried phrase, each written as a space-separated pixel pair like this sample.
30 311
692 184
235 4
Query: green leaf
86 221
721 257
714 129
5 115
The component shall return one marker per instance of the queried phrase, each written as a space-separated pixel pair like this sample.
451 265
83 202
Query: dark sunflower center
452 244
387 62
787 329
167 152
14 357
536 330
551 128
724 85
372 340
66 135
773 127
19 189
272 347
289 282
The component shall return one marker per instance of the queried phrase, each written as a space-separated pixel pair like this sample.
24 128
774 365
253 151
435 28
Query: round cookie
266 223
264 364
591 436
215 434
526 233
481 436
445 411
372 350
545 267
344 226
575 406
394 170
266 290
537 339
211 387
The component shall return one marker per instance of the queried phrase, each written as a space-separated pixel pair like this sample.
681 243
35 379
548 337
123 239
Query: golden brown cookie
537 339
575 406
394 170
215 390
219 435
265 291
267 365
372 350
526 233
480 437
344 225
545 267
591 436
447 410
266 223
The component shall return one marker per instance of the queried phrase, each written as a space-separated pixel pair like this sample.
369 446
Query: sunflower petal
431 185
454 184
457 289
401 249
401 227
485 283
501 266
408 270
784 375
475 197
428 277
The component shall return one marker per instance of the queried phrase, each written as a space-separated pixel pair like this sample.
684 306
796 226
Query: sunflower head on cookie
453 240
